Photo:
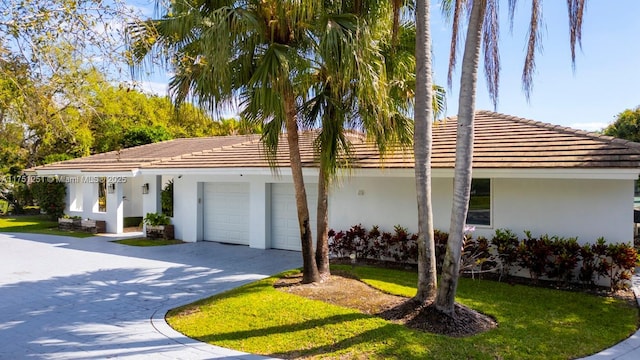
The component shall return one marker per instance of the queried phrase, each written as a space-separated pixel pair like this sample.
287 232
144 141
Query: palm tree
365 81
351 88
253 50
482 30
422 145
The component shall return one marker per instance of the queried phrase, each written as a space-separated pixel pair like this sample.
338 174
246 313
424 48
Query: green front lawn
37 224
533 323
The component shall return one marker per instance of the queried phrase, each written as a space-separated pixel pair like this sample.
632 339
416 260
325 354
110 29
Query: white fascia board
565 173
46 172
596 173
76 172
227 171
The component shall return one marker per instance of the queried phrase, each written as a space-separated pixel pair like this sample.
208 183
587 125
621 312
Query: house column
115 208
89 198
259 214
187 205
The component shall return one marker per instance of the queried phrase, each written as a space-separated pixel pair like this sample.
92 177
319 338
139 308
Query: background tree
626 126
92 28
483 31
141 135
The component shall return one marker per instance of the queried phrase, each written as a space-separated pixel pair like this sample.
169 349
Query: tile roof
139 156
501 141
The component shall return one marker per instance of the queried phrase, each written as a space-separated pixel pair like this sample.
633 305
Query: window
480 202
102 195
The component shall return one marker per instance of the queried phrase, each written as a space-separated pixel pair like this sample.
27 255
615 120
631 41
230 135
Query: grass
534 323
36 224
148 242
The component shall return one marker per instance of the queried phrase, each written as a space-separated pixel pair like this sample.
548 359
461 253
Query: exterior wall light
145 188
111 188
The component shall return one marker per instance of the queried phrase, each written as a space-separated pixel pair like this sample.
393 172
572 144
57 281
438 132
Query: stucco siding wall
584 208
188 202
386 202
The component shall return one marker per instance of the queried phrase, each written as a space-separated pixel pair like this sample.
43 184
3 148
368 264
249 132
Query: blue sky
606 80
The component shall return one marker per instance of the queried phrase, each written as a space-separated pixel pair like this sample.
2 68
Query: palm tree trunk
427 282
322 223
445 299
309 270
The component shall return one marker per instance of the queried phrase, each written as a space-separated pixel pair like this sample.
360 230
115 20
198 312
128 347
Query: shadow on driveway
69 298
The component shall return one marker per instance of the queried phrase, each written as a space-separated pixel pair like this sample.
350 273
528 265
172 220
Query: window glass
102 195
480 202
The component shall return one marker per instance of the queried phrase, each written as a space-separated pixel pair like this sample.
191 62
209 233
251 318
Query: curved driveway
69 298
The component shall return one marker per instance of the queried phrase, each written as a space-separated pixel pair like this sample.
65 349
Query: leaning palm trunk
423 125
322 244
445 299
309 269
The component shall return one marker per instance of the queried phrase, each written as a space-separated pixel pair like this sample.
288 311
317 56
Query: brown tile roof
501 141
139 156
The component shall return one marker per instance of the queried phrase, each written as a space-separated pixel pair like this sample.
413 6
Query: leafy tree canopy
141 135
626 126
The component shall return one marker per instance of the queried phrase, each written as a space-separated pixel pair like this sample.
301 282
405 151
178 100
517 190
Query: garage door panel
226 212
285 232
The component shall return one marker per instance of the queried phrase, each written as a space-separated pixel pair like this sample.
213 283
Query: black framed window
480 202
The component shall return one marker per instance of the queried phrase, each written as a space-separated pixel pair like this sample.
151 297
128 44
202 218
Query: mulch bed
352 293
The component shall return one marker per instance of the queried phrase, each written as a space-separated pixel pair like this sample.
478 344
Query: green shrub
166 199
506 244
553 257
4 207
50 196
155 219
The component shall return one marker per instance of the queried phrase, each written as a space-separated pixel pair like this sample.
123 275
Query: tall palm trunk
322 223
445 299
309 270
423 124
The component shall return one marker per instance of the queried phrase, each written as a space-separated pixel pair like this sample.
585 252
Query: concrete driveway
68 298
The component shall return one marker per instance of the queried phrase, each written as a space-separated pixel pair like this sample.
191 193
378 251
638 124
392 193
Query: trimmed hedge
550 257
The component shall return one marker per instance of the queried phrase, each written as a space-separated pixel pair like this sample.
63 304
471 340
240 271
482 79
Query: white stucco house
527 176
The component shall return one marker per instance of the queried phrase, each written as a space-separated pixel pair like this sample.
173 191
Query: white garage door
285 232
226 212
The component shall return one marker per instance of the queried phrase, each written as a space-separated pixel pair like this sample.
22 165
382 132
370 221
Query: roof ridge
563 129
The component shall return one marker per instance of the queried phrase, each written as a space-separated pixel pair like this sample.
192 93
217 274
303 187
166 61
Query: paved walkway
68 298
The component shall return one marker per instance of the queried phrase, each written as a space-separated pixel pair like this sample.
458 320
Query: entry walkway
69 298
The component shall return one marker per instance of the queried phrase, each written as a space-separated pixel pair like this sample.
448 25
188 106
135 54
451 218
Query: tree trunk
464 155
309 270
422 142
322 246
